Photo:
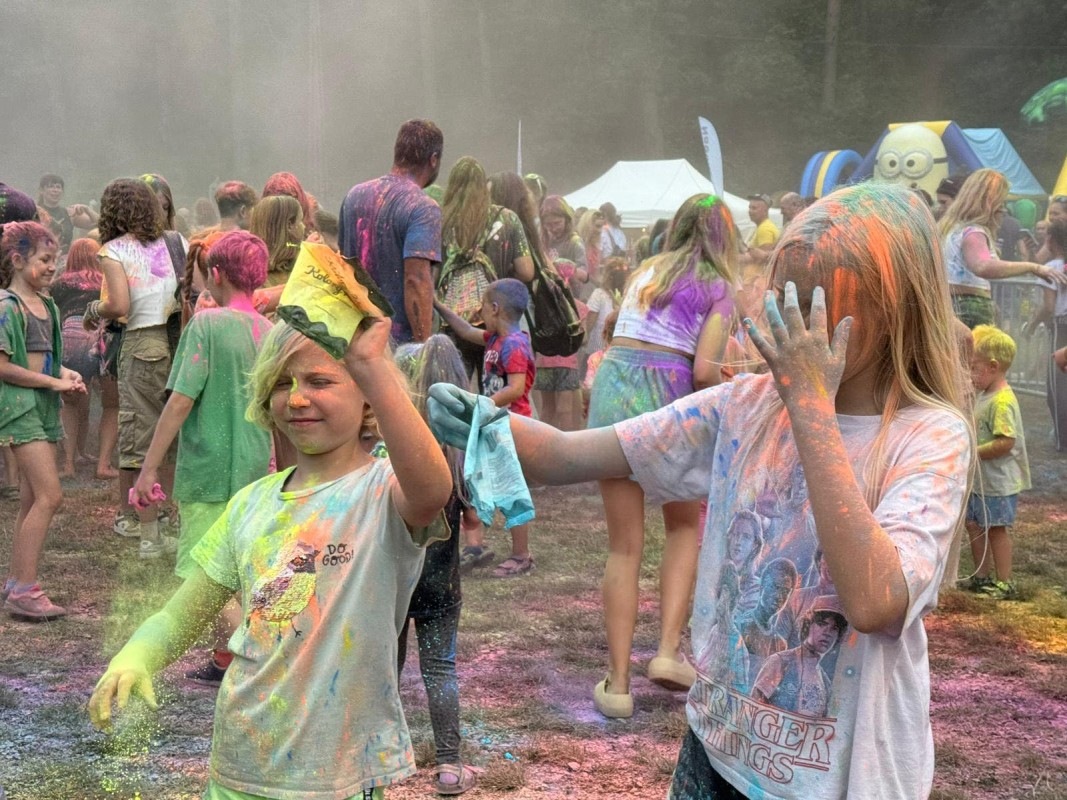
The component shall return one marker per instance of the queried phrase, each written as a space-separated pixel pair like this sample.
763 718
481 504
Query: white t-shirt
309 707
150 276
955 263
1060 309
855 721
601 304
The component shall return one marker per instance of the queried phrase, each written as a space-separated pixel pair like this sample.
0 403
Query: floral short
973 309
556 379
631 382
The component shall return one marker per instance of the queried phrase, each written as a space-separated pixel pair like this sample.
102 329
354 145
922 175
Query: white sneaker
127 526
166 544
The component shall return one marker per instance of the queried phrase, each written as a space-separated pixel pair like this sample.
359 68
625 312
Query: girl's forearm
862 558
26 378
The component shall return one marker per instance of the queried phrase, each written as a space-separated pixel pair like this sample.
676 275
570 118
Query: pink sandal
513 566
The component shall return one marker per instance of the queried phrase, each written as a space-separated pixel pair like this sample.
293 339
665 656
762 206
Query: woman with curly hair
140 284
73 291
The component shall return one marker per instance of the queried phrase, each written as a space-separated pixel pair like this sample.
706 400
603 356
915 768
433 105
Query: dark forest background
200 90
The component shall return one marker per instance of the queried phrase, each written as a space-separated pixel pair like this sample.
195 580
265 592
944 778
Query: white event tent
644 191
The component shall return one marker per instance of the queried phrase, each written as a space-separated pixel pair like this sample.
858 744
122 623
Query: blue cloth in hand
491 469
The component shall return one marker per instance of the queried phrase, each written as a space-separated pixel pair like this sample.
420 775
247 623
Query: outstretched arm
161 640
548 456
464 330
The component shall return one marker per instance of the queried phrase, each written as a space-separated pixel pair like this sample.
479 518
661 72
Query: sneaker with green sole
979 585
1002 590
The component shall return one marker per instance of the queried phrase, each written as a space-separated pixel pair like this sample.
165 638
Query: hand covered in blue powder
451 410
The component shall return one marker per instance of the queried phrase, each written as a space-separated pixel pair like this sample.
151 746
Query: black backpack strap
173 240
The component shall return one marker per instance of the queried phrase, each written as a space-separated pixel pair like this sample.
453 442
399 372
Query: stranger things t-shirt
506 355
309 707
790 701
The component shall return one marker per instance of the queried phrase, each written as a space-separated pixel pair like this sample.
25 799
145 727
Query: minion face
913 156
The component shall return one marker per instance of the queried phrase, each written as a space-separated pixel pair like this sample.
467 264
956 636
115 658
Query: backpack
552 316
465 276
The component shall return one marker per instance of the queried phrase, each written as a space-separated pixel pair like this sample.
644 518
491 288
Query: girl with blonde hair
670 336
968 232
855 444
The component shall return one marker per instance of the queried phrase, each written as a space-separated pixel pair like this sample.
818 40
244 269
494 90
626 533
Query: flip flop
467 776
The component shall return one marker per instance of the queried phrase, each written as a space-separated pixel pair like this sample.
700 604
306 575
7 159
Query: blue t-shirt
383 222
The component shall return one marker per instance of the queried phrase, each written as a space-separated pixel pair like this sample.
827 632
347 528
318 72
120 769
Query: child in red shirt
507 378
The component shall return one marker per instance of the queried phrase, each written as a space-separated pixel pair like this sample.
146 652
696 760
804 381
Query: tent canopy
644 191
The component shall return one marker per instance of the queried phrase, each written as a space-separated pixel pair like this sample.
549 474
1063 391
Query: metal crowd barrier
1016 301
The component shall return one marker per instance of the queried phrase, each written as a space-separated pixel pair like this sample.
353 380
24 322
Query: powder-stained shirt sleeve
423 236
921 504
1005 418
215 551
515 354
671 450
8 320
192 360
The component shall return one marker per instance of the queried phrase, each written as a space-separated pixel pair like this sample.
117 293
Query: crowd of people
820 411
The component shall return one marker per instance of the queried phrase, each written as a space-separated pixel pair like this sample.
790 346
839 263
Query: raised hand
805 364
370 341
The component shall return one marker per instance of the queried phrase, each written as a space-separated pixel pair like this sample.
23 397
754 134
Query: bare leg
1000 547
677 573
11 467
520 541
983 559
549 412
109 428
472 528
75 417
41 496
624 511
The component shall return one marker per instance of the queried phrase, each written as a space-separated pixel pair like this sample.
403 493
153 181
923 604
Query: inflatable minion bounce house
919 155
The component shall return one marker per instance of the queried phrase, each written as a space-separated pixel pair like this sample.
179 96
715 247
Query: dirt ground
530 651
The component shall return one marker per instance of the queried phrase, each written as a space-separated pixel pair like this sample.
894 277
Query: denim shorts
992 511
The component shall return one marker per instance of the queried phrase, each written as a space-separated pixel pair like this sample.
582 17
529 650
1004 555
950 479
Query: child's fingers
100 702
774 317
817 315
839 344
144 688
122 690
762 345
794 320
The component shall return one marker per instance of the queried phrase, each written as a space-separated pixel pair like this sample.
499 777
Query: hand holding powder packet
491 468
324 300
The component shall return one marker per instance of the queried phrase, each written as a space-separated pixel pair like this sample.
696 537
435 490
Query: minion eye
889 164
917 164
